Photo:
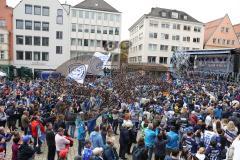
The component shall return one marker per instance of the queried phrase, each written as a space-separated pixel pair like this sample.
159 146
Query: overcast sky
202 10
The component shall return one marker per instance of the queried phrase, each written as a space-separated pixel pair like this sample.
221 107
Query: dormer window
164 14
175 15
185 17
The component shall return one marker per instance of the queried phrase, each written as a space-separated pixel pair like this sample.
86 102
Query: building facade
95 27
6 35
41 34
155 36
237 30
220 33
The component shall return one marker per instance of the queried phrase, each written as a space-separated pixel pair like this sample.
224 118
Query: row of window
32 40
2 23
95 29
223 41
176 26
32 25
29 56
37 10
3 55
93 43
3 39
95 15
151 59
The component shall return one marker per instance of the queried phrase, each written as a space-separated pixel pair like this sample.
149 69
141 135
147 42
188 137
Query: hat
26 138
97 151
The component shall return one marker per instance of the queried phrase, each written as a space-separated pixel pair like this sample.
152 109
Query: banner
79 73
104 58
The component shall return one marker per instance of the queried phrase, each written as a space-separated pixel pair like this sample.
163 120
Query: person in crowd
25 121
50 138
150 136
98 153
87 151
3 117
61 141
123 140
15 147
213 151
81 132
25 152
173 143
160 145
174 155
140 152
109 150
230 132
115 116
96 138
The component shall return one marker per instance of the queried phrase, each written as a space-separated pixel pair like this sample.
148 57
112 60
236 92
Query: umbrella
2 74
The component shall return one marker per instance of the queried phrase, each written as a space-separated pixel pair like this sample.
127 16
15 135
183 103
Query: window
19 24
59 35
92 29
111 30
195 48
19 55
79 42
59 16
85 42
196 40
99 16
80 28
37 41
163 60
105 16
186 39
28 9
175 15
174 48
86 28
73 41
165 25
45 26
86 14
176 38
19 40
45 11
80 14
164 47
140 47
222 29
2 23
223 41
117 31
92 44
228 42
99 43
37 26
153 23
74 27
164 14
2 56
28 55
140 36
117 18
37 10
93 15
185 48
28 40
214 40
164 36
219 41
105 30
74 13
151 59
227 29
99 29
1 38
152 47
45 56
233 42
187 28
37 56
152 35
185 17
176 26
197 29
45 41
28 25
59 49
111 17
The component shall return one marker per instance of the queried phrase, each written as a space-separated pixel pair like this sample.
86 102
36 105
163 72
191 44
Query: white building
41 34
4 46
155 36
94 25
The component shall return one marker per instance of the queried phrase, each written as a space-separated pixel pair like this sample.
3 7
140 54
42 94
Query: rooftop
99 5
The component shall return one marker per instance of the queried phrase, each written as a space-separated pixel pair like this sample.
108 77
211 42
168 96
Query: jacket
173 142
124 136
81 132
25 152
50 138
110 153
96 139
34 128
149 137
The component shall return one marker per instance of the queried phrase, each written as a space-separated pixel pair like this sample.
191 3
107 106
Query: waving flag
104 58
79 73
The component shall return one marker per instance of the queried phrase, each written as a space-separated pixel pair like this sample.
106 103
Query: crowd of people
123 116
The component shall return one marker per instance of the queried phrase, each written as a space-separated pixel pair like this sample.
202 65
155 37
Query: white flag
79 73
104 58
